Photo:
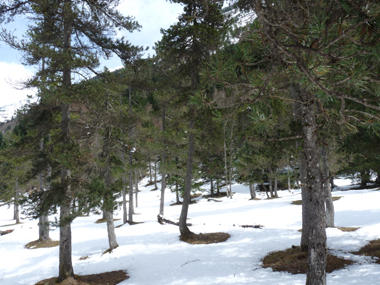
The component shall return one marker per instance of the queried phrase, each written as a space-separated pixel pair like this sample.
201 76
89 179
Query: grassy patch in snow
106 278
208 238
299 202
370 249
294 261
44 244
101 221
348 229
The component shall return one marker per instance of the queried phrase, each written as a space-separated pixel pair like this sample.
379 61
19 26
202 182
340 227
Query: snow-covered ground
152 253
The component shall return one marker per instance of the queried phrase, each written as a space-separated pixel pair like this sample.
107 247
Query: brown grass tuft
299 202
45 244
101 221
208 238
294 261
370 249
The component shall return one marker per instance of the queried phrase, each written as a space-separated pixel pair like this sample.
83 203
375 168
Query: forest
271 94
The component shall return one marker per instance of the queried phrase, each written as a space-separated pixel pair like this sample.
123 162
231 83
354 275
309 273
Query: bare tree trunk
111 230
316 272
212 188
131 210
163 172
275 183
136 187
289 185
217 187
150 170
65 260
225 159
155 172
124 191
176 193
43 223
230 166
252 191
184 230
16 203
271 182
327 188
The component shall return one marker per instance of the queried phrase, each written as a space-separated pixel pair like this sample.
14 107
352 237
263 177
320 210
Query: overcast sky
151 14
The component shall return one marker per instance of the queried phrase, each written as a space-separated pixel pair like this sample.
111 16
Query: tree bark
212 188
271 182
163 172
43 223
252 191
275 184
65 263
225 159
184 230
16 203
111 230
327 188
316 272
131 210
136 187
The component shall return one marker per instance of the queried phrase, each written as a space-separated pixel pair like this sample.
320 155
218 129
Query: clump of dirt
370 249
42 244
106 278
299 202
294 261
208 238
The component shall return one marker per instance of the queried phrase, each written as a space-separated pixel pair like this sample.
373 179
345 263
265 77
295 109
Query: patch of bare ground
299 202
180 203
348 229
256 199
133 223
294 261
217 195
370 249
106 278
42 244
208 238
101 221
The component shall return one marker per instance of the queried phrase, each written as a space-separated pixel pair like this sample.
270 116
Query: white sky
151 14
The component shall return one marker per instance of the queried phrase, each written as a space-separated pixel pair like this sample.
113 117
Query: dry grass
294 261
299 202
205 238
106 278
348 229
38 244
371 249
101 221
84 257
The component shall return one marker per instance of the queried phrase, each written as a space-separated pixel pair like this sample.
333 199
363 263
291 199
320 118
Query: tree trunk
43 223
289 174
271 183
327 188
65 263
212 188
136 187
275 184
225 159
16 204
124 191
155 172
163 172
111 230
252 191
184 230
176 193
217 187
316 272
131 210
150 170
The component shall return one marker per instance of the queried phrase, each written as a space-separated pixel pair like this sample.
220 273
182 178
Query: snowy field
153 255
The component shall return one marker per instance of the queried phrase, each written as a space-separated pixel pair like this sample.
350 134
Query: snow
152 253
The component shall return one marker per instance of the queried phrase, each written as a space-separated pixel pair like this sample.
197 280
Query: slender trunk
212 188
266 190
163 172
111 230
317 250
150 170
155 172
124 191
65 263
43 223
275 184
252 191
230 166
271 182
131 210
327 189
289 174
225 159
176 193
184 230
136 187
16 204
217 187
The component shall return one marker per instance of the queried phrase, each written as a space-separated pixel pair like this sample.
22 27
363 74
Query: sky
151 14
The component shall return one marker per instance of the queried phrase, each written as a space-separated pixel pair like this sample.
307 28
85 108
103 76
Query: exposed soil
294 261
45 244
370 249
299 202
208 238
106 278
